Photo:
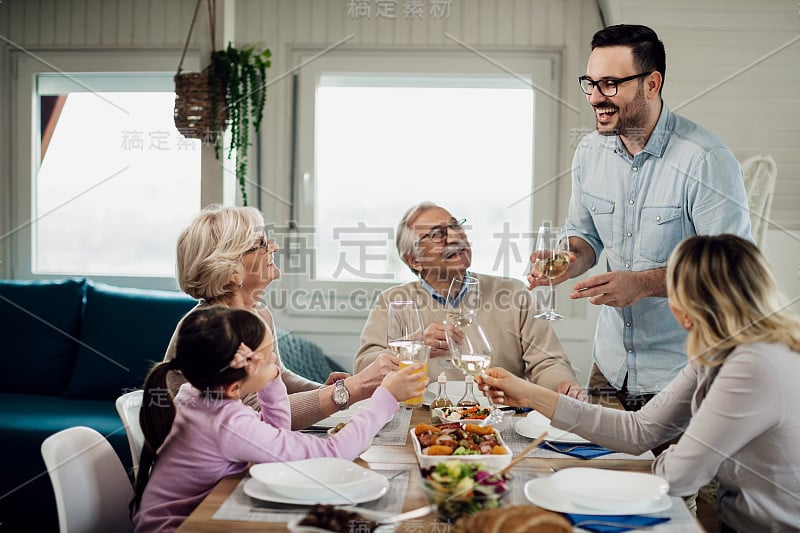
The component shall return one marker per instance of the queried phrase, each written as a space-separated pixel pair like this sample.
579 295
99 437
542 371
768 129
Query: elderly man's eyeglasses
606 86
439 233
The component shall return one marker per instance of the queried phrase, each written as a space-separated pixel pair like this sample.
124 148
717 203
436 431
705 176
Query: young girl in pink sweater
207 433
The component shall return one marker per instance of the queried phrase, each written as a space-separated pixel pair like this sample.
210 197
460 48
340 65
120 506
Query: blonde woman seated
736 400
225 258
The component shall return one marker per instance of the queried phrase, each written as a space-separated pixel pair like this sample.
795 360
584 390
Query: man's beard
630 125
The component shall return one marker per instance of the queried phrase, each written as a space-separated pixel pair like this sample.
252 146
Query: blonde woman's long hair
725 286
210 249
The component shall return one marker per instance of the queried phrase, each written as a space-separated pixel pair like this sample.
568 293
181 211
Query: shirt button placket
631 215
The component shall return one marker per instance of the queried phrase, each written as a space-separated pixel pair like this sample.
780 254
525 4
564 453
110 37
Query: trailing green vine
244 73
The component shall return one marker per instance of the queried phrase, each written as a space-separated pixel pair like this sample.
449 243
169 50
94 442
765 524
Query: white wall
54 24
707 42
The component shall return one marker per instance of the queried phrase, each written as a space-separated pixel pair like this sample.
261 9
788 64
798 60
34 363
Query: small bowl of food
457 414
458 488
327 518
338 427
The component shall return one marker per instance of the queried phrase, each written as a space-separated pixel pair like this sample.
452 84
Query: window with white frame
378 133
111 182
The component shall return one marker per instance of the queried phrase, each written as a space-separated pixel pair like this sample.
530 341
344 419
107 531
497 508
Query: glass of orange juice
404 333
415 353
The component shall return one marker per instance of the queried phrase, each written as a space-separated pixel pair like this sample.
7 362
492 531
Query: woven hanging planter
200 110
231 92
195 102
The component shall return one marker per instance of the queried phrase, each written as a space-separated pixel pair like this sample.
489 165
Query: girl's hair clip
247 359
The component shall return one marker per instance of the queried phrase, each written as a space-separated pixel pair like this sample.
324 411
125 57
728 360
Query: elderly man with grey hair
435 247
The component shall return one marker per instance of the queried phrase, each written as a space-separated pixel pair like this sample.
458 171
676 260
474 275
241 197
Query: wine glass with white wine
471 352
551 260
404 336
463 303
463 299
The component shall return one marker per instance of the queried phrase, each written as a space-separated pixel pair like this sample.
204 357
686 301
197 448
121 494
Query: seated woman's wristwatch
341 397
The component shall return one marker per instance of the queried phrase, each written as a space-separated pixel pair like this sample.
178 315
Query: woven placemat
395 432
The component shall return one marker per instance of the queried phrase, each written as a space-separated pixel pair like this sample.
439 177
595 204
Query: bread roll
513 519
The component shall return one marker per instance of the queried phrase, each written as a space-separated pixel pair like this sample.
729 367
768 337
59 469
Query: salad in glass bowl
459 488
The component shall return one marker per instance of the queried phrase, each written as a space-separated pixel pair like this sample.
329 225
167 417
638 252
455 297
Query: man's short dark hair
648 50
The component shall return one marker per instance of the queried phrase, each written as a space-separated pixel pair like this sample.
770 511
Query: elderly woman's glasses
439 233
261 246
606 86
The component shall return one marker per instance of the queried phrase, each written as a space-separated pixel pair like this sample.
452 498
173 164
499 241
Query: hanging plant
231 91
244 74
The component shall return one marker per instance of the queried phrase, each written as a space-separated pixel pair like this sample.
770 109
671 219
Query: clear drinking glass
551 260
463 299
471 352
404 336
463 303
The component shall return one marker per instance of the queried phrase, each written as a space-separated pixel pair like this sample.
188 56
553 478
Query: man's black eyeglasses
606 86
439 233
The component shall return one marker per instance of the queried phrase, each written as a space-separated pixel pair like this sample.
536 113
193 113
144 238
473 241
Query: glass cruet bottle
441 399
469 399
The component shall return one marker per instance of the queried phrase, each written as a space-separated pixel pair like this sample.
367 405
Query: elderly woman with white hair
225 258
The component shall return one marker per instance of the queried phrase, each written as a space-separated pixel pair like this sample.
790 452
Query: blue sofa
69 349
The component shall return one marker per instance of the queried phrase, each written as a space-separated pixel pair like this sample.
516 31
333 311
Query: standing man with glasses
644 181
434 245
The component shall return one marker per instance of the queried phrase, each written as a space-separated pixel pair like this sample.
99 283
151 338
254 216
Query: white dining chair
128 406
760 173
91 487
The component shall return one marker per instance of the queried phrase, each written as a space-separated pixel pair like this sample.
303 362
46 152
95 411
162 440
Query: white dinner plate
366 492
342 416
455 390
536 423
596 491
317 478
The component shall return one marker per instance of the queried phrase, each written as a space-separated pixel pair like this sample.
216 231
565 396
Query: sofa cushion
304 357
39 325
124 332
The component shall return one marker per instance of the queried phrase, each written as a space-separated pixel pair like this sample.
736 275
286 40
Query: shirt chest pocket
661 230
602 213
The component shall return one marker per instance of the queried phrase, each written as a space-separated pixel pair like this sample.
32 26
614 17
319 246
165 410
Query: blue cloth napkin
612 523
582 451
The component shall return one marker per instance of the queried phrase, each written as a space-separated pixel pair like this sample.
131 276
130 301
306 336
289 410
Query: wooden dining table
391 458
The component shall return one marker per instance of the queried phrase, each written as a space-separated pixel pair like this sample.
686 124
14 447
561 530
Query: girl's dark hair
648 51
207 341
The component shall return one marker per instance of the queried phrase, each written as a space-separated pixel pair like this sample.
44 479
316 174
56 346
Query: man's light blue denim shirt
685 182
